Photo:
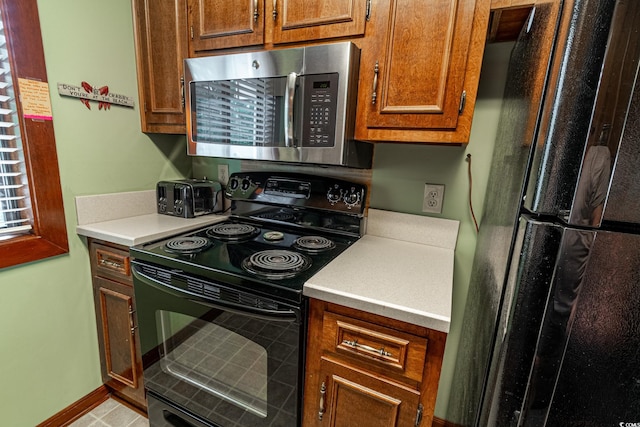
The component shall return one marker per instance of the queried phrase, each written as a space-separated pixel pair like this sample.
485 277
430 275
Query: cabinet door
119 347
413 77
219 24
349 397
299 20
160 31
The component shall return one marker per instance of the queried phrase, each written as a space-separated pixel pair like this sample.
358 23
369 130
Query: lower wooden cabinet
120 357
368 370
352 397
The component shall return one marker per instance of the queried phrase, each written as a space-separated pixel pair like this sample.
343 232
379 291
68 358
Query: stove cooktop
274 261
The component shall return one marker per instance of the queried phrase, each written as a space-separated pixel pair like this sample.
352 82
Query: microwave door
245 118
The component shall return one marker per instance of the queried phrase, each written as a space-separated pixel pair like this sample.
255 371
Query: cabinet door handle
256 14
132 324
419 415
374 95
182 90
323 392
367 348
275 9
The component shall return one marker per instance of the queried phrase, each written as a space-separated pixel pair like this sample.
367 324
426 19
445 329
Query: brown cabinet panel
220 24
388 351
419 70
297 20
355 398
111 263
120 356
116 313
117 336
362 386
160 29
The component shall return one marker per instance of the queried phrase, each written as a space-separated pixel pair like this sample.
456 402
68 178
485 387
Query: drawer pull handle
368 348
112 264
323 392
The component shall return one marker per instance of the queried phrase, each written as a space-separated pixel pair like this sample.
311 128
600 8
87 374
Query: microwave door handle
288 109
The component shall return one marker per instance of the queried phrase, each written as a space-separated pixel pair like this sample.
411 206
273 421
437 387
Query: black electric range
220 310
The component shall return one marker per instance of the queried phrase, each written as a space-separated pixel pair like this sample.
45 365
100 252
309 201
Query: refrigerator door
623 202
525 301
568 352
599 378
592 76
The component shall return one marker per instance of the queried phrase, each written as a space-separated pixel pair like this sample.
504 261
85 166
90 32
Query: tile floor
111 413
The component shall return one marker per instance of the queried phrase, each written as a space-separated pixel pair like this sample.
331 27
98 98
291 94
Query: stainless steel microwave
289 105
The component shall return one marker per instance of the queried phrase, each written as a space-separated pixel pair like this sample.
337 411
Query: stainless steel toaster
189 198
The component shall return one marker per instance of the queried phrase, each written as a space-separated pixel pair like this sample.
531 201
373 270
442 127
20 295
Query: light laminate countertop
401 268
130 218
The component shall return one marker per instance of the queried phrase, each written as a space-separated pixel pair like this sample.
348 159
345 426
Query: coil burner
232 231
276 264
314 244
187 245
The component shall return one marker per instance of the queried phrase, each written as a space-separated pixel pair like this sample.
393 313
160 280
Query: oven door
221 363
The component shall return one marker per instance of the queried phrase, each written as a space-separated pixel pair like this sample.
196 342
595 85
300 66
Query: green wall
48 344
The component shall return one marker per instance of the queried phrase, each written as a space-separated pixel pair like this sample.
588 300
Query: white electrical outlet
433 198
223 174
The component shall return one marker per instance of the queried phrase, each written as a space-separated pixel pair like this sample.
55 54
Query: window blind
238 112
15 209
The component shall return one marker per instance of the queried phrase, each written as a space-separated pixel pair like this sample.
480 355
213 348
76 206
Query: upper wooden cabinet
419 70
221 24
419 67
299 20
160 29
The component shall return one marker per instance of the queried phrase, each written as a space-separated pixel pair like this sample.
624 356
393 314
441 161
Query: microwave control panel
320 105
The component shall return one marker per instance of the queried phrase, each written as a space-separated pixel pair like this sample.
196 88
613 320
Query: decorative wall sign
87 93
34 96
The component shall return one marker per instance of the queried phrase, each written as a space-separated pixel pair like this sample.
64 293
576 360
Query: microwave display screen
321 85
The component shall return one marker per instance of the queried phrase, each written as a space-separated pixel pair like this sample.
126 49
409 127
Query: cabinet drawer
111 262
385 350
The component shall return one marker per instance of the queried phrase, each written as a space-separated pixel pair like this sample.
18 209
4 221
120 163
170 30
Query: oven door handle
260 313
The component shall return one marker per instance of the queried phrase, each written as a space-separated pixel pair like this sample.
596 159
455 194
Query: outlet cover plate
223 174
433 198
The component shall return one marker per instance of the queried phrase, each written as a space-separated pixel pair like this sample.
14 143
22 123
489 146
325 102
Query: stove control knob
334 194
246 183
352 198
233 184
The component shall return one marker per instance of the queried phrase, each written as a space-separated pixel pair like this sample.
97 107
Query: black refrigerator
551 332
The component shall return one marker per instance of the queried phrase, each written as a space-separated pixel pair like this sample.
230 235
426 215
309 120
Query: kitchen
50 357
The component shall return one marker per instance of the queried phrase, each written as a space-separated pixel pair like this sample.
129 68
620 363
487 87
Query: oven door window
216 360
227 367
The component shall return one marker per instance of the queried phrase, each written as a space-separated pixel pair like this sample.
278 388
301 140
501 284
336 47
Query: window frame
26 54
